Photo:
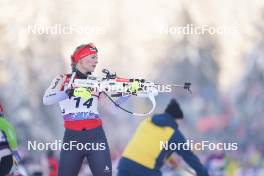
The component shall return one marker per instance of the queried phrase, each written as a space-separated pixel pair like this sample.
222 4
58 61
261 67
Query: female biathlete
8 145
81 118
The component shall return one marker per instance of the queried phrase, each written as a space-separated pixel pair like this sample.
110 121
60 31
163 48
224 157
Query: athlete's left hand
134 87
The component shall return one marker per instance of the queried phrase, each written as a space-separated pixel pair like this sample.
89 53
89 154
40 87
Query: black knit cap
174 109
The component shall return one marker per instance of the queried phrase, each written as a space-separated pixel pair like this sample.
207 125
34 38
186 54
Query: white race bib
77 104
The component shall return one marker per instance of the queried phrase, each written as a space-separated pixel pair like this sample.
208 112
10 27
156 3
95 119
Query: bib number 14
87 103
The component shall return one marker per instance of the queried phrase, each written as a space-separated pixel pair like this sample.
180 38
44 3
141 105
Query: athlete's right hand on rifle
82 92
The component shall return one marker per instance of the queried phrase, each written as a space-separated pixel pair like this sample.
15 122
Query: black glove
69 92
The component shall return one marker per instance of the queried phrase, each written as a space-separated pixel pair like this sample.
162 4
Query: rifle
121 87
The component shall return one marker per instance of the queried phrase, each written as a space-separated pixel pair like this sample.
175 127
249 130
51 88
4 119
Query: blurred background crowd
141 39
